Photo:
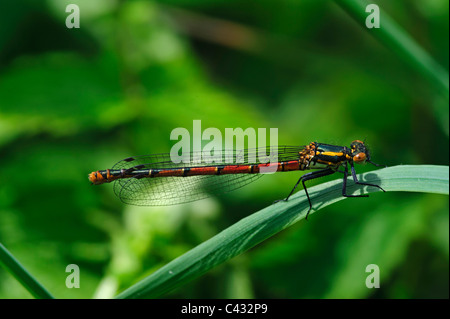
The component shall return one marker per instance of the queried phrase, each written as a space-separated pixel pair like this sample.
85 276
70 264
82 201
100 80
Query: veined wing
173 190
200 159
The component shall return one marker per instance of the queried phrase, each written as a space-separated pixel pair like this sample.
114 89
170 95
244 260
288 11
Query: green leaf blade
259 226
12 265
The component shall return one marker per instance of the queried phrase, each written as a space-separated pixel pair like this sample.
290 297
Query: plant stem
11 264
395 38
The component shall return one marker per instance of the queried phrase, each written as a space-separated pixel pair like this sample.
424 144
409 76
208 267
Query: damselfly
155 180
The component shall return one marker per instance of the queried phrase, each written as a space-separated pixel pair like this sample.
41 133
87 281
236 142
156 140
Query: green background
74 101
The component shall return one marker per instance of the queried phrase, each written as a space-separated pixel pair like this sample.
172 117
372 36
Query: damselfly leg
355 179
308 177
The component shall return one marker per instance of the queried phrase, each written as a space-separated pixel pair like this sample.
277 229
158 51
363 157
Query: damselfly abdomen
155 180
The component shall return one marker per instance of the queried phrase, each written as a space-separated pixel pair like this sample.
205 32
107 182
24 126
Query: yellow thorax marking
330 153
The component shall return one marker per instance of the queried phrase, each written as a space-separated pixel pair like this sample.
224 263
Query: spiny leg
307 177
375 164
355 179
344 183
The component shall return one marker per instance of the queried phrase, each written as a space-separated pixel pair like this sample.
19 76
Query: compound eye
360 157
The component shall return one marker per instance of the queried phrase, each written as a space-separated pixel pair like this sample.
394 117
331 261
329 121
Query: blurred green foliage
74 101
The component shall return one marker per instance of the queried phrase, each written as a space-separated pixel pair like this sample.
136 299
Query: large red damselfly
155 180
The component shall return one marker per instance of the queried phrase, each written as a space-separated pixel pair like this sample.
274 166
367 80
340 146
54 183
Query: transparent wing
178 190
195 159
158 191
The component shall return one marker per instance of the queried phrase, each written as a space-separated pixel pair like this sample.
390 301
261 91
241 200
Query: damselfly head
360 153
